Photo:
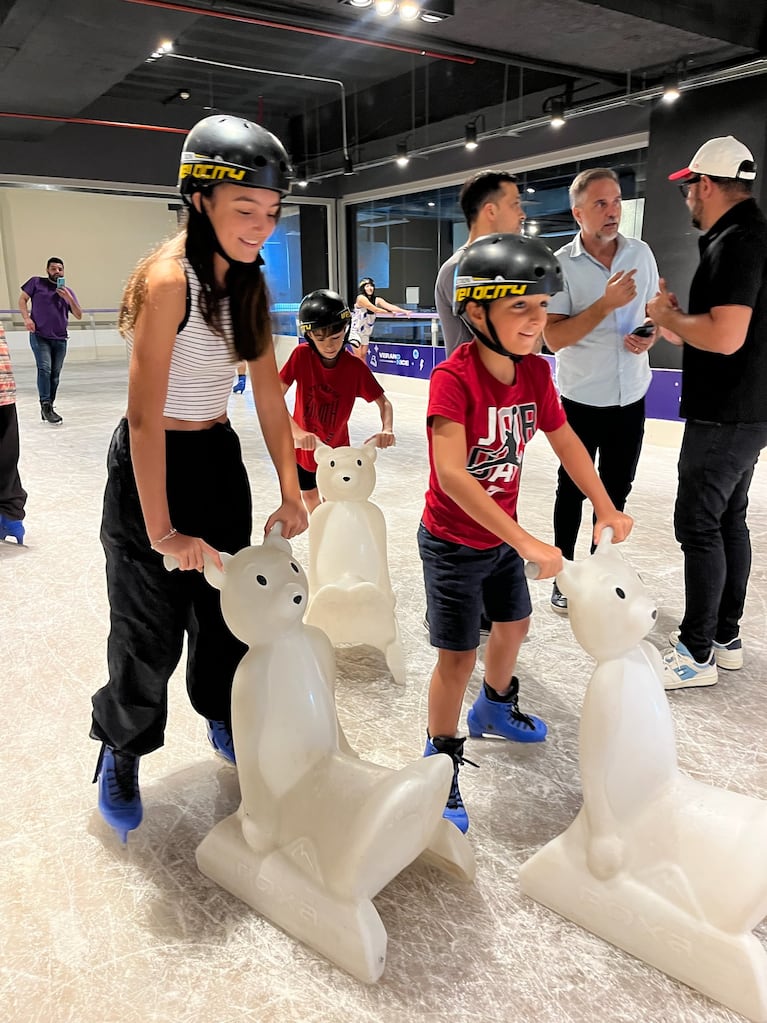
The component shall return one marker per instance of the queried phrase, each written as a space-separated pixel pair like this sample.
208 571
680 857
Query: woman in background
366 308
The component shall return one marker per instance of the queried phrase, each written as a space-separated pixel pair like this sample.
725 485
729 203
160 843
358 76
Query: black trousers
615 433
716 465
150 608
12 495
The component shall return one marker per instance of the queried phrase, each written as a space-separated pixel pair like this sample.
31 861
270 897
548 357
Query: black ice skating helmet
224 148
323 309
502 266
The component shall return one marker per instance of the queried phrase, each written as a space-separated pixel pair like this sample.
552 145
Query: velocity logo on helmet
211 172
484 292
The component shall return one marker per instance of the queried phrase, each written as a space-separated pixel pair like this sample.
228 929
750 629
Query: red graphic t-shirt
499 420
325 397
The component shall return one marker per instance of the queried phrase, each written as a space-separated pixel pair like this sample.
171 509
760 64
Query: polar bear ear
566 579
213 573
605 541
322 451
370 450
275 539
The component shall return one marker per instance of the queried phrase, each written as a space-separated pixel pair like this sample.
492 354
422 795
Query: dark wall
314 247
97 153
676 133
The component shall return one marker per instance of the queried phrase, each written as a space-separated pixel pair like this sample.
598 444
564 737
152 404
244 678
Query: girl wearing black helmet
328 381
485 404
366 307
176 483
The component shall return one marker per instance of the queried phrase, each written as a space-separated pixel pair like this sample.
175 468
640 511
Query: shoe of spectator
558 601
727 655
682 671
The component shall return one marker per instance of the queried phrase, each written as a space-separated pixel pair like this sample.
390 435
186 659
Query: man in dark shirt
724 400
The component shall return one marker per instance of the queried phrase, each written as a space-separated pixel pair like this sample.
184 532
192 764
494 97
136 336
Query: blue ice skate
504 718
220 738
119 796
454 811
11 529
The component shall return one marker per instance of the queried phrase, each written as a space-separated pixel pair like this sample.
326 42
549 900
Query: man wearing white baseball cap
724 400
719 158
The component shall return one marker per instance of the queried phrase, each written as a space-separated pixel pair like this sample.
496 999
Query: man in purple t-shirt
51 303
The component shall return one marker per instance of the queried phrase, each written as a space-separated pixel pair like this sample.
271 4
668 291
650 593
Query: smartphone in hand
60 282
644 330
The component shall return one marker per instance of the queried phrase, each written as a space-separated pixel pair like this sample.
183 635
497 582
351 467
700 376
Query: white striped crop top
202 363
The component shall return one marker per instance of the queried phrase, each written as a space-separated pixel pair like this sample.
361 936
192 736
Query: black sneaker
558 601
48 414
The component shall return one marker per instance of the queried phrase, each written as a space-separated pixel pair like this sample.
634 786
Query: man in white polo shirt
603 370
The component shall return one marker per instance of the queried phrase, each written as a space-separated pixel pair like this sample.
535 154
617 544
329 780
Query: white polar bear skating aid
665 867
351 597
319 831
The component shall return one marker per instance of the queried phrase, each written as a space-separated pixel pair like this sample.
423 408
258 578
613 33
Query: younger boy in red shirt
485 404
329 380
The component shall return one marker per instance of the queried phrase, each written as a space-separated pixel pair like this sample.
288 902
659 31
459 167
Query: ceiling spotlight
429 11
302 181
183 94
430 203
409 10
402 158
166 47
530 190
557 111
348 166
470 135
532 227
671 91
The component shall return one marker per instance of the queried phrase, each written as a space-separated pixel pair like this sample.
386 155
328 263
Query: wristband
168 536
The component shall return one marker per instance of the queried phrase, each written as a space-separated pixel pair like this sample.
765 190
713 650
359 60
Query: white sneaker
727 655
682 671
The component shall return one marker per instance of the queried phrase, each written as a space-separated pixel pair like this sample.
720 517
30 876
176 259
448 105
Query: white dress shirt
598 370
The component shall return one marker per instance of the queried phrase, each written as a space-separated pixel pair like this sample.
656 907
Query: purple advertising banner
663 396
417 362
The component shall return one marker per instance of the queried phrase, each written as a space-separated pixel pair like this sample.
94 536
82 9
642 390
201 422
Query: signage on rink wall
417 362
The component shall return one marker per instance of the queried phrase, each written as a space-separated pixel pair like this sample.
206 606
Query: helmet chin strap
493 342
214 237
327 363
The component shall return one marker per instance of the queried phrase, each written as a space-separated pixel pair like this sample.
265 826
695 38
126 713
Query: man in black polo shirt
724 400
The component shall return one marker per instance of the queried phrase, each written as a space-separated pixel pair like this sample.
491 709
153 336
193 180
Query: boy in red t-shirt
485 403
328 380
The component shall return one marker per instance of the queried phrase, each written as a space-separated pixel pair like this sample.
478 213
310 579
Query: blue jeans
716 464
49 356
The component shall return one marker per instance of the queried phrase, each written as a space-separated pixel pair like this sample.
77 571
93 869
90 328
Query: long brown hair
244 284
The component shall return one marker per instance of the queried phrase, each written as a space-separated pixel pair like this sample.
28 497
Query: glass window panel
401 241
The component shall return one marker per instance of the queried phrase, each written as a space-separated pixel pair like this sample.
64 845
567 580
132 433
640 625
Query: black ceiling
88 59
